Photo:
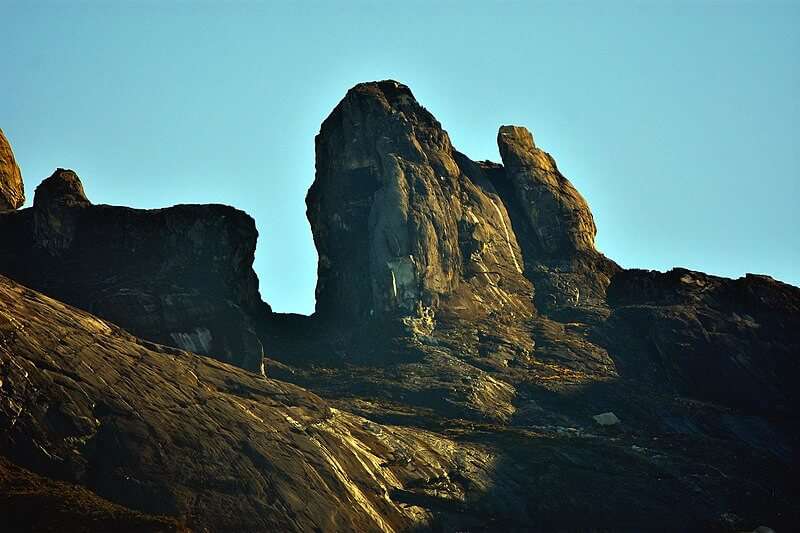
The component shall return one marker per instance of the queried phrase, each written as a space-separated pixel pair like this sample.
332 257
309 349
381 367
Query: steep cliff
180 276
405 225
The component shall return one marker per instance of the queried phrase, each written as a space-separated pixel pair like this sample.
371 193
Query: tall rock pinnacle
559 215
407 226
402 222
12 191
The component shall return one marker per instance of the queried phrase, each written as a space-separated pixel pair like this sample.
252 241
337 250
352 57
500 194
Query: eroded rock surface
181 276
166 432
502 315
556 211
467 334
732 342
402 222
12 190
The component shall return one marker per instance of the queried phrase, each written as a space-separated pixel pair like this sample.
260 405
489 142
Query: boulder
606 419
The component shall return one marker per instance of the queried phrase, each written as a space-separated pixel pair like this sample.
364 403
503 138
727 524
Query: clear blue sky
678 121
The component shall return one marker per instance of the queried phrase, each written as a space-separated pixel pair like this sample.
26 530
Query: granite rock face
12 190
510 317
731 342
166 432
492 272
557 212
407 226
404 224
181 276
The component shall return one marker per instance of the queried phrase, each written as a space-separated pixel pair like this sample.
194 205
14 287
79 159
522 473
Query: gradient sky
678 121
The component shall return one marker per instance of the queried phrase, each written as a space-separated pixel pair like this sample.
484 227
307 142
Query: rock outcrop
63 189
558 214
511 318
492 272
556 227
474 364
180 276
405 225
730 342
12 191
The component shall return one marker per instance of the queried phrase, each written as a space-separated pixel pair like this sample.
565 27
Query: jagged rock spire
401 220
558 214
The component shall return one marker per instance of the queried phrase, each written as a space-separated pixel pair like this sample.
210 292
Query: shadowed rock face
62 189
732 342
166 432
29 502
12 192
180 276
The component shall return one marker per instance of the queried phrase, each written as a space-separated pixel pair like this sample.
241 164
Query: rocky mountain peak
558 214
62 189
518 137
12 191
403 223
385 117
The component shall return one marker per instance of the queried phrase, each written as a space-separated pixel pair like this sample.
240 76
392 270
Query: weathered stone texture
181 276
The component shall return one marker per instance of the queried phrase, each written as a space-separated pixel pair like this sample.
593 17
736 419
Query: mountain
473 364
